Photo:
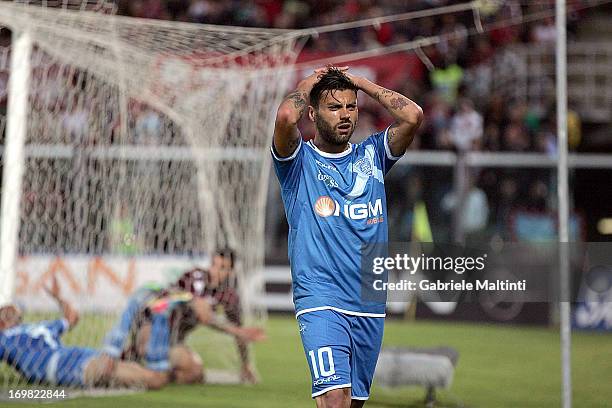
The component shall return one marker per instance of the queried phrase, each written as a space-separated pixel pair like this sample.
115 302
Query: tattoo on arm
298 99
398 103
292 144
392 133
382 93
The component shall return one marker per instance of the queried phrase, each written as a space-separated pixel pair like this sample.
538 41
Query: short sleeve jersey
334 203
28 347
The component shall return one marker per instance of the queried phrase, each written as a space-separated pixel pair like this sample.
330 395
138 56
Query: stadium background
499 366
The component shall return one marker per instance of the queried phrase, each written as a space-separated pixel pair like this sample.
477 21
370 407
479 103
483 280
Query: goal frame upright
13 161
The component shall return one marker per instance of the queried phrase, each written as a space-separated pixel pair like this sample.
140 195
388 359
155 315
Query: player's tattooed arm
392 133
407 114
299 100
286 133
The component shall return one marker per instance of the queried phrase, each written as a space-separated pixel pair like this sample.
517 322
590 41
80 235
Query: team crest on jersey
363 167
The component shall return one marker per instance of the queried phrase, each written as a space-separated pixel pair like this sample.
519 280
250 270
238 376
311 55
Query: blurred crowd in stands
490 124
461 109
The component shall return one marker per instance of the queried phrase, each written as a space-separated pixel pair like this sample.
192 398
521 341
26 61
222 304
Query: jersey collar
331 155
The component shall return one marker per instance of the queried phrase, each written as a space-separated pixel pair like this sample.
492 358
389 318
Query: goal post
13 159
133 149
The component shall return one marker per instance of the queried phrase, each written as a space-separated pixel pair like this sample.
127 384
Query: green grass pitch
499 366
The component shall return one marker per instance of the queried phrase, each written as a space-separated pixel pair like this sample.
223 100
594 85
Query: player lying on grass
156 321
35 350
334 197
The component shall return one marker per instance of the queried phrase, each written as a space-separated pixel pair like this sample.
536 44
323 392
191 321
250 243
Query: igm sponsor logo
327 207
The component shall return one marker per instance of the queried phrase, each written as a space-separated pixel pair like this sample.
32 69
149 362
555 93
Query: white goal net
131 150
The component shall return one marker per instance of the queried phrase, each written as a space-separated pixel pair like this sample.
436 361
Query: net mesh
146 148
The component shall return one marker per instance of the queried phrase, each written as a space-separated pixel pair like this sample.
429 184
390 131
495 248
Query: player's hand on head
323 70
344 69
354 79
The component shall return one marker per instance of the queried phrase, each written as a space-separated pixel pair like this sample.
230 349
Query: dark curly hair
332 80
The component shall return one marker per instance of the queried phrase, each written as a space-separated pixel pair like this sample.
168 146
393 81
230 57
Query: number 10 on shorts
321 366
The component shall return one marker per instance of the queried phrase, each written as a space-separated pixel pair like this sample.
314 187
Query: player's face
220 269
336 116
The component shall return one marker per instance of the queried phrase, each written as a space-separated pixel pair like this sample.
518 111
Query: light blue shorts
341 350
67 366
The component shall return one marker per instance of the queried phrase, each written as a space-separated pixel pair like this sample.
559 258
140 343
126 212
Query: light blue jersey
334 203
36 351
28 347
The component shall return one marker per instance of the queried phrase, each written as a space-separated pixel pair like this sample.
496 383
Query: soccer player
157 320
36 352
334 197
